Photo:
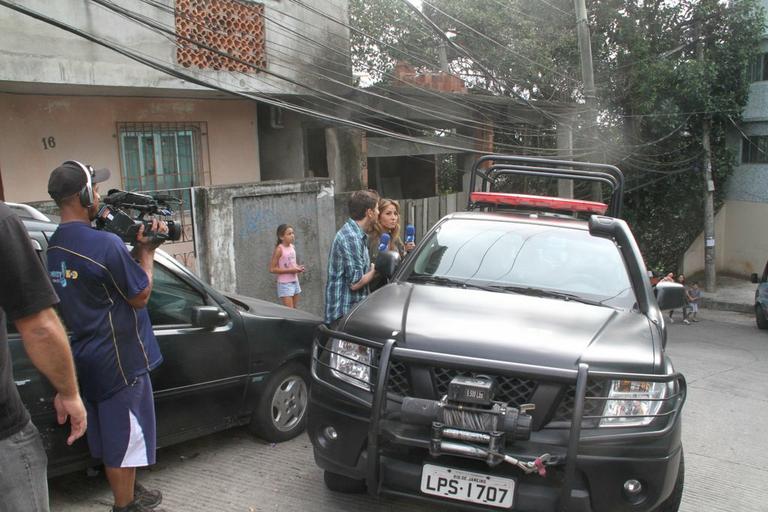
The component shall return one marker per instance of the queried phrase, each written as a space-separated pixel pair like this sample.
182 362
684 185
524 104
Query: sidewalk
732 294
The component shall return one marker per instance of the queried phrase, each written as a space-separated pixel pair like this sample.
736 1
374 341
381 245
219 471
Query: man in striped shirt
349 264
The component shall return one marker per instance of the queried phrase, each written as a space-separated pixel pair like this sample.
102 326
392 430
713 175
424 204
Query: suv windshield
524 258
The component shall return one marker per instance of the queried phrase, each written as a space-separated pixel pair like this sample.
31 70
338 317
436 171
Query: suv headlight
351 362
628 398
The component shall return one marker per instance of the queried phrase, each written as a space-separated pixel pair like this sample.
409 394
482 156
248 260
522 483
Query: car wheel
672 504
341 483
762 321
281 413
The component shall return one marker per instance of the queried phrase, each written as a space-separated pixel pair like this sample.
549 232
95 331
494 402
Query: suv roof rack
548 168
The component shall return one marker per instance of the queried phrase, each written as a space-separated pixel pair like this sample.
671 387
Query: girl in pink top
284 265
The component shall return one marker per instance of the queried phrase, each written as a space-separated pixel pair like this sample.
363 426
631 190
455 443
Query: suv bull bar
388 350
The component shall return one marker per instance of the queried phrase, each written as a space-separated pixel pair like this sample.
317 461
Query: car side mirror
670 295
387 262
209 316
753 277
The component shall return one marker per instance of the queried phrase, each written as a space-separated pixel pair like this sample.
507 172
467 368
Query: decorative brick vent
231 26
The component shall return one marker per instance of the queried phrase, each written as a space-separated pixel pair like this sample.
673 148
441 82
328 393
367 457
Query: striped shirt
348 262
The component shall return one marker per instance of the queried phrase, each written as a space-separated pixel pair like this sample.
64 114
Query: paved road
724 357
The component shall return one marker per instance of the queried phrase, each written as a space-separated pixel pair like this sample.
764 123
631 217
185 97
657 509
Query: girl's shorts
288 289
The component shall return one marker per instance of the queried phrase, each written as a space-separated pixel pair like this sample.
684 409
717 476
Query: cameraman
104 289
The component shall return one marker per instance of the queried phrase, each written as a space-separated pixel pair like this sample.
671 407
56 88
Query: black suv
761 298
516 360
228 361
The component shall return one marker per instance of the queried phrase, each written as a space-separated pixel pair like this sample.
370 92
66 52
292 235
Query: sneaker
694 320
149 498
686 322
135 506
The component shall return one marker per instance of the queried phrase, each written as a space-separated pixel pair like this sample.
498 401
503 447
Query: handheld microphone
384 242
410 234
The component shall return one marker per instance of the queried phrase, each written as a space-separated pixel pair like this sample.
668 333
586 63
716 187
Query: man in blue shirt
104 289
349 264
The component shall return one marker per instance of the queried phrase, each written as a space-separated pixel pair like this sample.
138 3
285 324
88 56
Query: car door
37 393
200 385
761 294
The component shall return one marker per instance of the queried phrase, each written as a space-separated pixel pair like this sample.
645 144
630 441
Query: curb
726 306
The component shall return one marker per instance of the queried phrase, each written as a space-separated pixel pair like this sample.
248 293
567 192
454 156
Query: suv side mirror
670 295
209 316
753 277
386 263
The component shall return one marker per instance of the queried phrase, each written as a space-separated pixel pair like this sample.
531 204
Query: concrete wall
236 240
742 240
284 156
345 153
85 128
38 53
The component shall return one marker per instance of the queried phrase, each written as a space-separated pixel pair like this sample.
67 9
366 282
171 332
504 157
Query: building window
758 68
754 150
162 156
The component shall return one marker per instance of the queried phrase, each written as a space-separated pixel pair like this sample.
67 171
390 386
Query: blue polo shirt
94 275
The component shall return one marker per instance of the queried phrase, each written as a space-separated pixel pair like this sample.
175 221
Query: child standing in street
694 296
284 265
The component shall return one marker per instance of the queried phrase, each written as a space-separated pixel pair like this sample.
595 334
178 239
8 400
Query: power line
133 55
499 44
152 24
431 112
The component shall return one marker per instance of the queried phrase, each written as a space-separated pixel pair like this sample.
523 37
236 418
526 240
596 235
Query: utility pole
588 77
710 273
442 50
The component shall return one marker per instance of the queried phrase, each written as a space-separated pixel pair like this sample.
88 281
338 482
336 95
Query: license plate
462 485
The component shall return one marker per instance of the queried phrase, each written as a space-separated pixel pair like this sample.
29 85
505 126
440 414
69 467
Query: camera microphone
410 234
384 242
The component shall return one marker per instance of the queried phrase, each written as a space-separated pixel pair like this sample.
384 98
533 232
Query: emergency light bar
550 203
489 169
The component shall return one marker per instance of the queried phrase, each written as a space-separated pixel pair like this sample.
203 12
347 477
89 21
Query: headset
86 194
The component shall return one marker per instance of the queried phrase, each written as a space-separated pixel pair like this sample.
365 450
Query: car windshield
533 259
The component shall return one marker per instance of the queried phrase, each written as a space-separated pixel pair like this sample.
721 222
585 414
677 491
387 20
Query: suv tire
762 321
340 483
281 411
672 504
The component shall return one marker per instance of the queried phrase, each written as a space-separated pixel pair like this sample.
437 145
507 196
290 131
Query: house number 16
48 142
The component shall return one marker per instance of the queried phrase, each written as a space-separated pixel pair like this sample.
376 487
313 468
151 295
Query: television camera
113 217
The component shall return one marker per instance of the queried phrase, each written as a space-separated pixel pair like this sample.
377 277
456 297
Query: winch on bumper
469 450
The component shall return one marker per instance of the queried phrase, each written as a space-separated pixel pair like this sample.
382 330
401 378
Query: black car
761 298
515 361
228 361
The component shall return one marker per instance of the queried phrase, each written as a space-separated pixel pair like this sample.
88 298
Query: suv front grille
591 407
511 390
397 382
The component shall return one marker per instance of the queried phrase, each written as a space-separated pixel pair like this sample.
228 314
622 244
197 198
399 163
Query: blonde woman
388 222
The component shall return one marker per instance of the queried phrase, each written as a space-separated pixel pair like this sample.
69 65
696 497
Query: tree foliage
660 67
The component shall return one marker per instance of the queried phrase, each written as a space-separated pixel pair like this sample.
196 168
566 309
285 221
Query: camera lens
174 230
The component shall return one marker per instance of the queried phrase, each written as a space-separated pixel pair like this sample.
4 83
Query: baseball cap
69 179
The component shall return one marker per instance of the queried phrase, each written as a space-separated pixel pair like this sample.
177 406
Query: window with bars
754 150
161 157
